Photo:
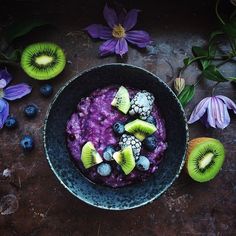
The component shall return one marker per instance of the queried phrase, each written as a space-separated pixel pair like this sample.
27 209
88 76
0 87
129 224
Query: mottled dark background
45 207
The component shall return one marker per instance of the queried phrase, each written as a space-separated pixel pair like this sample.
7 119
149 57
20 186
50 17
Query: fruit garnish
130 140
150 143
118 128
89 155
43 61
205 157
122 100
104 169
108 153
142 104
125 159
140 129
143 163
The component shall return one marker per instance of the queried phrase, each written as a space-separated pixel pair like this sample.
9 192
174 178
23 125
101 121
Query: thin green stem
217 12
213 88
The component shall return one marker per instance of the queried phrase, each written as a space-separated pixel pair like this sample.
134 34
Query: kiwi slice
125 159
205 157
140 129
122 100
90 156
43 61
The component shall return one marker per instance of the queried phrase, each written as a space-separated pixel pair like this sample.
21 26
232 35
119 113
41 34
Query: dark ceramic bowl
64 104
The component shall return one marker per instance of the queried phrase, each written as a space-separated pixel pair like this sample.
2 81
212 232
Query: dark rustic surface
45 207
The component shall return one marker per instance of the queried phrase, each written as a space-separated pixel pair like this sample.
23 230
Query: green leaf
186 95
21 28
232 79
212 73
198 51
187 61
230 27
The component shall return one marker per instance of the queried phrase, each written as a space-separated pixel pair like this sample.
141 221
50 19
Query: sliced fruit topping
142 104
130 140
118 128
121 100
150 143
108 153
125 159
90 156
205 157
104 169
140 129
143 163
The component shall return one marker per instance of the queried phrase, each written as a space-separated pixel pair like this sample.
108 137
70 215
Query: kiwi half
125 159
140 129
121 100
43 61
205 157
90 156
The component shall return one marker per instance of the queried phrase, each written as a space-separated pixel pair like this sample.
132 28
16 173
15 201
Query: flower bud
179 85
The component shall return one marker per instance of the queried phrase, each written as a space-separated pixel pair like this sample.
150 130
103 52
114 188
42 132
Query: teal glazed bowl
58 156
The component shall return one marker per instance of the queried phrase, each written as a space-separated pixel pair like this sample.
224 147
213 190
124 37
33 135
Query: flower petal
131 19
122 15
108 47
4 112
99 31
211 113
199 110
228 102
121 47
16 91
222 115
110 16
138 37
5 78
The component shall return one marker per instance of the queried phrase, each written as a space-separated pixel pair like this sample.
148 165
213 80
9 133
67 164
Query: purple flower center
118 31
1 93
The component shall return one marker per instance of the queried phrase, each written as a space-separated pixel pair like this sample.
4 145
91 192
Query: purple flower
118 32
9 93
213 111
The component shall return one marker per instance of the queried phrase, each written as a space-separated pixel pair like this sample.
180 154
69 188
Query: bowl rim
58 93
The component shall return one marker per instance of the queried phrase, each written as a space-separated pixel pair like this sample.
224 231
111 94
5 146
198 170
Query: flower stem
213 88
217 13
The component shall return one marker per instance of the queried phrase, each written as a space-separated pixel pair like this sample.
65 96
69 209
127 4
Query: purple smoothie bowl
63 160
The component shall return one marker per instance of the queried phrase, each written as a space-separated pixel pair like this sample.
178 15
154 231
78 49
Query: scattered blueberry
108 153
104 169
46 90
143 163
31 111
27 143
150 143
118 128
11 122
151 120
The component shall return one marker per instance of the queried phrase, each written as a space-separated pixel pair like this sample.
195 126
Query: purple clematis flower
118 32
9 93
213 111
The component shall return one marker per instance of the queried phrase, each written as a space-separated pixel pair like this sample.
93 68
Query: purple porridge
93 121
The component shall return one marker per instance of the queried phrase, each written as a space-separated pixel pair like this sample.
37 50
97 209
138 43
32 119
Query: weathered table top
45 207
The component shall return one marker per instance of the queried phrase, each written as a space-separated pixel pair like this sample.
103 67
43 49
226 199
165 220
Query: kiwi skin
193 144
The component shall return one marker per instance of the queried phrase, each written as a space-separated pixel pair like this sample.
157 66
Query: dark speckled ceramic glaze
64 104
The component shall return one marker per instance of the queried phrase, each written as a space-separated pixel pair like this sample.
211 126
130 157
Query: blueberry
108 153
143 163
11 122
104 169
27 143
31 111
150 143
118 128
151 120
46 90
